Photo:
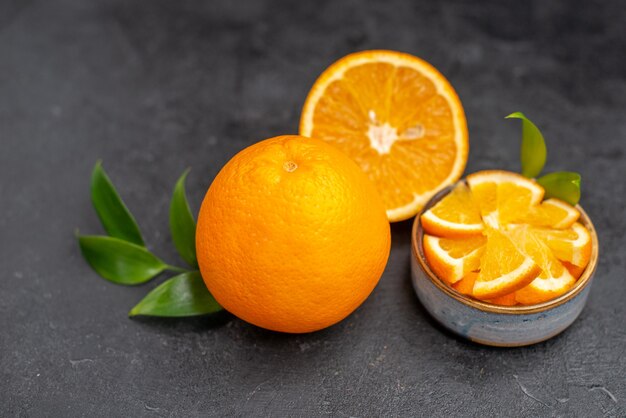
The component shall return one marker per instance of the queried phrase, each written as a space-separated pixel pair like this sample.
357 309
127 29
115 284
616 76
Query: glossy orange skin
291 235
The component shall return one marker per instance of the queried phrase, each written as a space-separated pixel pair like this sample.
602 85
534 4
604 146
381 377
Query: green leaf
563 185
533 150
113 213
182 223
182 295
120 261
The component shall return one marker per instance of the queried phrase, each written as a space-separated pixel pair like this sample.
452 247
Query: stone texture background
153 87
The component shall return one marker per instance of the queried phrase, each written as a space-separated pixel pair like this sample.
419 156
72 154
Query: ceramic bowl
485 323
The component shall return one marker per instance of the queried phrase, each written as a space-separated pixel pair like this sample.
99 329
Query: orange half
398 118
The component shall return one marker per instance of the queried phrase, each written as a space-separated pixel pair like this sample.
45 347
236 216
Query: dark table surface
154 87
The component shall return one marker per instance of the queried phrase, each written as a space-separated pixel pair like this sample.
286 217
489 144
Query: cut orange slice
503 196
504 268
554 279
575 271
572 245
548 285
398 118
466 284
551 213
455 215
485 195
506 300
451 259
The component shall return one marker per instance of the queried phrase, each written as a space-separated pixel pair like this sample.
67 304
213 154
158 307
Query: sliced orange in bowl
398 118
499 241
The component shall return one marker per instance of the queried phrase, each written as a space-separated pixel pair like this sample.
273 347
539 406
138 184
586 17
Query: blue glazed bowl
489 324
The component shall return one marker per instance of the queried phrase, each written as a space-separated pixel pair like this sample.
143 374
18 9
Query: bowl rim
418 252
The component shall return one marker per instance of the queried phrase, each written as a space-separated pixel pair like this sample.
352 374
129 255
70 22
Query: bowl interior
583 280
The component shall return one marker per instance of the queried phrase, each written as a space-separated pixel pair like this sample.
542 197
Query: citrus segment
455 215
466 284
551 213
572 245
516 198
451 259
545 287
554 279
504 196
398 118
503 269
486 197
506 300
575 271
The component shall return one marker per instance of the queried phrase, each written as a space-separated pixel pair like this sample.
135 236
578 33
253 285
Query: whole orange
291 235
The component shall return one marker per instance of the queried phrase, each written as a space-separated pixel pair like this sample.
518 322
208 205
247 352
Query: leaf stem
176 269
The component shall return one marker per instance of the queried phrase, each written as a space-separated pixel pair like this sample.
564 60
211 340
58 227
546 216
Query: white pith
382 136
578 243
